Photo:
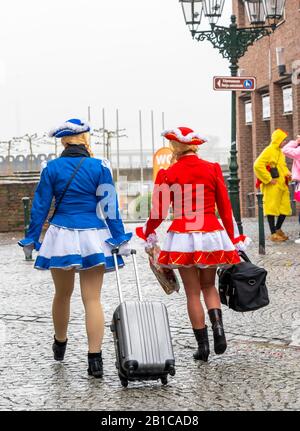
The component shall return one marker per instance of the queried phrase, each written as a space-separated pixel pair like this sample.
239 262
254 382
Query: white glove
152 241
243 245
124 249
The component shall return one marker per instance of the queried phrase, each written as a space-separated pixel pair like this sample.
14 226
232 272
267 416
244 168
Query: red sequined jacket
189 182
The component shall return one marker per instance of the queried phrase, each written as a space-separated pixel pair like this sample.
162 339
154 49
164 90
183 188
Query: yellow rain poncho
276 196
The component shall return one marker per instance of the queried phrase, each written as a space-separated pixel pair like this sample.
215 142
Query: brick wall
11 206
260 61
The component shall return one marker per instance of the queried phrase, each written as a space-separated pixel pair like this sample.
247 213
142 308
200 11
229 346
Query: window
287 94
248 112
266 107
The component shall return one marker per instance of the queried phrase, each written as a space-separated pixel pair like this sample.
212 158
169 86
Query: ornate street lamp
256 12
213 10
233 42
192 11
274 9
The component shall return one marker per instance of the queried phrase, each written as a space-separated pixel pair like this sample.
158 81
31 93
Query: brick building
276 102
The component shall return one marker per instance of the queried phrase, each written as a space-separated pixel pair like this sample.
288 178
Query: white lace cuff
152 241
243 245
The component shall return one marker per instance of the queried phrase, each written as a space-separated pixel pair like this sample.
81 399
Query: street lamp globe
274 9
213 10
192 11
255 12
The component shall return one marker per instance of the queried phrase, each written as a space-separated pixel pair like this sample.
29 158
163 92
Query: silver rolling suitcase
142 337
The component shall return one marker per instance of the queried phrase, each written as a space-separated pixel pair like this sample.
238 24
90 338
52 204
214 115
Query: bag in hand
165 276
274 172
242 287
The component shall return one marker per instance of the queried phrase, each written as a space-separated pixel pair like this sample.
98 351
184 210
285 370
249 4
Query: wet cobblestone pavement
259 371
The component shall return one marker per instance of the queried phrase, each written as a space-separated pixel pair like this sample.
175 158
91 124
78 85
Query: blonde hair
179 149
81 139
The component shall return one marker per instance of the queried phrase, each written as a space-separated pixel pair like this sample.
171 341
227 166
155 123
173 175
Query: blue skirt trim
78 262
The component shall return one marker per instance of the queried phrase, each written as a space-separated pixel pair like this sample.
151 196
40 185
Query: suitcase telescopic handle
115 252
138 284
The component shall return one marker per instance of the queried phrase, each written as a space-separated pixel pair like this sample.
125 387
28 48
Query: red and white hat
184 135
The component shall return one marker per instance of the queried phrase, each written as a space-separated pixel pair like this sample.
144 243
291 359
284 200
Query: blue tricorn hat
70 128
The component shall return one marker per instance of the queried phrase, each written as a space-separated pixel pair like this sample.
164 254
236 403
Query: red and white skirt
201 249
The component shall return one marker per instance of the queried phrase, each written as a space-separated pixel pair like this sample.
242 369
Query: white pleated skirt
201 249
80 249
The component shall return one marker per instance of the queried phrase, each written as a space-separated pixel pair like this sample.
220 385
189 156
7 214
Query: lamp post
233 42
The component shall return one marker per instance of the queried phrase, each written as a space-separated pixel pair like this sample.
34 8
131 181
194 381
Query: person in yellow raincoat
276 193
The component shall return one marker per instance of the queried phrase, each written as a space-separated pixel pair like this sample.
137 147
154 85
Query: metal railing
21 163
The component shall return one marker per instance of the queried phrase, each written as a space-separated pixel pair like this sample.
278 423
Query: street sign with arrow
234 83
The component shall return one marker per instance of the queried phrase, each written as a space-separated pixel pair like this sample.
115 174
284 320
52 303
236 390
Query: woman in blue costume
84 229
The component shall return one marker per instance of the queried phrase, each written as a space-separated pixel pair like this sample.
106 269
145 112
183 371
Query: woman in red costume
197 242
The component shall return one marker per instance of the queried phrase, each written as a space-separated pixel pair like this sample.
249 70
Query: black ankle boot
59 349
203 344
95 365
215 315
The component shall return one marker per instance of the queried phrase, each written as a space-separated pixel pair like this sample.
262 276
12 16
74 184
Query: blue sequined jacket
89 203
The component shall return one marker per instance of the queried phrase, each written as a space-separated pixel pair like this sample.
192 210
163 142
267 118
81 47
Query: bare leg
191 282
208 288
91 282
64 286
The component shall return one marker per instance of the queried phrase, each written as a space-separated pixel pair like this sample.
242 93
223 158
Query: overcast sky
59 56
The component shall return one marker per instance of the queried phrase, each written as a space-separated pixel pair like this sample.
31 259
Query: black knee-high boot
215 315
203 344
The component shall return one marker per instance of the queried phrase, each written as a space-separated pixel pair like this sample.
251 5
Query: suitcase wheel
124 382
172 371
164 380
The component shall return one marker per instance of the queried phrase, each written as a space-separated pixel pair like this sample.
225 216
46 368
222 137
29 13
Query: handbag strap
66 188
244 256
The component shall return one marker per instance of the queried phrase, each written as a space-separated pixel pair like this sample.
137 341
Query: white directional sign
234 83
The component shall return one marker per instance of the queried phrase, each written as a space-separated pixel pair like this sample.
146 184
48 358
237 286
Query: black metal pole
261 226
234 189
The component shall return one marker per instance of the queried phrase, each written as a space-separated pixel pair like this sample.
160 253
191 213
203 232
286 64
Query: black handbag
274 172
242 287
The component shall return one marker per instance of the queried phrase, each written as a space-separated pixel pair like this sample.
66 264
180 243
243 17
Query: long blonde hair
178 149
81 139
